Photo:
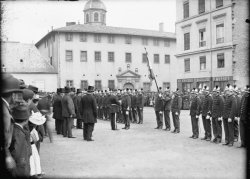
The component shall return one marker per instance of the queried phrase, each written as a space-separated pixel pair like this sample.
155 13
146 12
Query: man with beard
88 111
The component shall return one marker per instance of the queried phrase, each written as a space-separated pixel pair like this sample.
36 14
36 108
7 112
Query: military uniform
140 104
194 113
133 108
159 110
176 110
114 108
126 106
166 108
237 115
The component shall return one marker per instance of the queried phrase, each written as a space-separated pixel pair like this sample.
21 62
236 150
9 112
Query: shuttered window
185 9
69 55
201 6
167 59
111 56
186 41
187 65
219 3
84 84
98 84
97 56
156 58
220 60
144 58
202 62
111 84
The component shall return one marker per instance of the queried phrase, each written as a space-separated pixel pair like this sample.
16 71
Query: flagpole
150 70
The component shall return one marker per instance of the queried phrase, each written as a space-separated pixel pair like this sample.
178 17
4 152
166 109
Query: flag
151 73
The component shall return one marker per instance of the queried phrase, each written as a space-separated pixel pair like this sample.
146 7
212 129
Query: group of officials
214 107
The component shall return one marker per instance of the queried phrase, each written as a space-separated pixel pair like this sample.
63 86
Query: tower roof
95 4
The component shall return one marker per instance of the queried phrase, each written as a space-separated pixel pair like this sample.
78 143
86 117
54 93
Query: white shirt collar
19 125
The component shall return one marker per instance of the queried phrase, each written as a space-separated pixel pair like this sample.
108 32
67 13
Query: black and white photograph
125 89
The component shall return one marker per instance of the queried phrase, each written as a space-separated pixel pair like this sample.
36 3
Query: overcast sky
28 21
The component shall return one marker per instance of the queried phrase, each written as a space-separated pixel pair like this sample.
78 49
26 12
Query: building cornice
204 51
203 14
201 21
46 73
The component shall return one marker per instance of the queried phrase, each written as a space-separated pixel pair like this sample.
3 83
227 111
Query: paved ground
141 152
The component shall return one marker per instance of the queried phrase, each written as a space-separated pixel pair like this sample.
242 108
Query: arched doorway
128 85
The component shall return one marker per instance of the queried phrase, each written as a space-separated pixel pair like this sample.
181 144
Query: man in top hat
57 110
176 110
68 112
166 108
10 85
228 116
126 106
114 108
244 116
195 112
159 108
216 114
140 104
237 112
77 103
88 111
206 108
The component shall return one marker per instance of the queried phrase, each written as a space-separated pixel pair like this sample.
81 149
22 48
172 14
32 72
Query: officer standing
140 104
206 113
237 113
195 112
167 106
159 109
57 110
176 110
133 107
217 112
228 116
114 108
126 106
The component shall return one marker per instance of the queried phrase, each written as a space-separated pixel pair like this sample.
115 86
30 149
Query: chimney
70 23
161 27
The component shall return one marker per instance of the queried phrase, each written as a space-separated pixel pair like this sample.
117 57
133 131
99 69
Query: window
144 58
51 60
83 57
87 18
98 84
136 70
219 3
156 42
111 39
187 86
69 55
111 84
186 41
146 86
201 6
68 37
144 41
219 33
220 60
84 84
111 56
156 58
83 37
69 83
128 58
186 9
165 85
167 59
166 43
187 65
203 63
97 38
202 33
128 40
96 17
98 56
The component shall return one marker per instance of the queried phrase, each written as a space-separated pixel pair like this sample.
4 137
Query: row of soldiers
214 107
123 106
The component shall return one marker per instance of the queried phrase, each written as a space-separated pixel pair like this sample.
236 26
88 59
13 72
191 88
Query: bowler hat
28 94
62 90
21 112
10 84
33 88
59 90
78 91
73 89
90 88
66 89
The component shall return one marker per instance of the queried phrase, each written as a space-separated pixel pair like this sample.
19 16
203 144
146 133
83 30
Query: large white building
212 43
109 57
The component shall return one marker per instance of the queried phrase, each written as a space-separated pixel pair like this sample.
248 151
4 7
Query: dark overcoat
57 107
88 108
176 104
217 106
68 107
195 106
159 103
229 107
114 104
140 100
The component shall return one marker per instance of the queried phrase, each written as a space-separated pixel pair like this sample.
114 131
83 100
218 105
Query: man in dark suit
133 106
88 110
159 109
77 101
114 108
176 110
195 112
167 106
126 106
57 110
140 104
68 112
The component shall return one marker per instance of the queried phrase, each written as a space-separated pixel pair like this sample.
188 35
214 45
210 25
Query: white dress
35 165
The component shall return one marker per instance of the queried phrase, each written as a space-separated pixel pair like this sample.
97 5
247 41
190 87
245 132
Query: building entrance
128 85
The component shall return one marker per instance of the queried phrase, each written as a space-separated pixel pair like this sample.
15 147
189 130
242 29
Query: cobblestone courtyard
141 152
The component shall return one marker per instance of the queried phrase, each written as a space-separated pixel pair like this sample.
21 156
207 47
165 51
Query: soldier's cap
216 89
206 88
33 88
159 88
167 89
66 89
59 90
235 89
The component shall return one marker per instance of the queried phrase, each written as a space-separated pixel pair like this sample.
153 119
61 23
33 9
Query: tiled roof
115 30
32 61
